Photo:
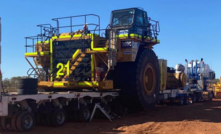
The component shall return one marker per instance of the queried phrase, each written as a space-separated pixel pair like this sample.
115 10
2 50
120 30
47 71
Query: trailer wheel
84 113
6 123
38 118
25 121
13 121
181 101
210 96
193 98
48 119
58 117
198 97
186 100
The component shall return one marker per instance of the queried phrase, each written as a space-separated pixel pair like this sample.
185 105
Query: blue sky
190 29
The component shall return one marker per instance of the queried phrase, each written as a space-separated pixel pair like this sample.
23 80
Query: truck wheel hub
149 79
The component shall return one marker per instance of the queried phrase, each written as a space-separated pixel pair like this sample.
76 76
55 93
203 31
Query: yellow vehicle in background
217 87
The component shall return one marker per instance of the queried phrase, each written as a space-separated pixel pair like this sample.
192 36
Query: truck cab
131 21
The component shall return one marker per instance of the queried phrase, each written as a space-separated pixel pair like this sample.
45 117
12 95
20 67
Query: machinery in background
217 87
199 78
185 83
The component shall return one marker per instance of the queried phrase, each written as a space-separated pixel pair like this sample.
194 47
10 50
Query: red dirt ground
199 118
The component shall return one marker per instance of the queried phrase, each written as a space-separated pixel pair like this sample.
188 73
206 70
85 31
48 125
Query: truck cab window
122 18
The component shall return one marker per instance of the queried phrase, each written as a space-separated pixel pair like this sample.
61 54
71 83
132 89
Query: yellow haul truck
78 67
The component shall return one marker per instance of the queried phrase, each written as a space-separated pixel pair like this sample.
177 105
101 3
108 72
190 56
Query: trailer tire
186 100
13 121
38 119
22 124
6 123
198 97
181 101
84 113
48 119
139 81
210 96
58 117
193 98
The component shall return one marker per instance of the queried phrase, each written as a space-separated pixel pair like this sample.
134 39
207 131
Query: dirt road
201 118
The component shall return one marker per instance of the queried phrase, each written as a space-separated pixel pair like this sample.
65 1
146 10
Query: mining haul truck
78 67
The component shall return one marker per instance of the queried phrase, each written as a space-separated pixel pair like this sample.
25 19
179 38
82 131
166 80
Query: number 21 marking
61 67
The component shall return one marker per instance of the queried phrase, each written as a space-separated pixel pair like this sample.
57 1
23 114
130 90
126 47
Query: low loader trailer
186 84
79 67
76 71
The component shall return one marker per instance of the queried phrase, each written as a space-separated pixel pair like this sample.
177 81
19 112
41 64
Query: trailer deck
13 97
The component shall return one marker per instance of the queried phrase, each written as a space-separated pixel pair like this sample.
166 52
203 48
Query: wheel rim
60 117
8 126
27 122
149 79
86 114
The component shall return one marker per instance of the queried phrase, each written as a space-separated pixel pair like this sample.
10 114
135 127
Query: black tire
194 98
6 123
75 114
48 118
38 118
27 91
25 81
192 81
22 124
130 79
186 100
13 121
198 97
181 101
58 117
27 86
210 96
84 113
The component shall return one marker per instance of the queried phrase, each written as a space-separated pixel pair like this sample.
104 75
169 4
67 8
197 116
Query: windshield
122 18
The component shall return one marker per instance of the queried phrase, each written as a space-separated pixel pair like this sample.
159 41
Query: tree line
11 84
